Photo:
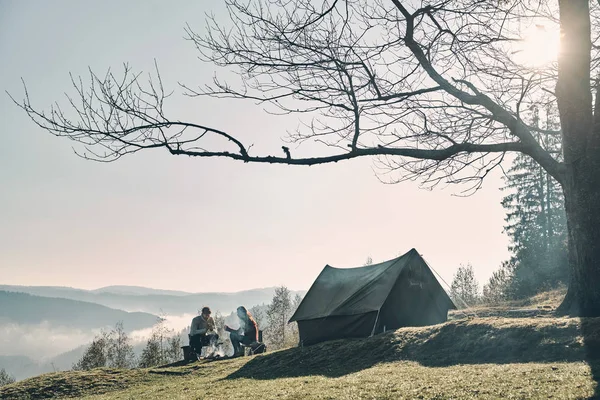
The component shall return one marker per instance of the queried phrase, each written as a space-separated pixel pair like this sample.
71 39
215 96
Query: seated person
246 334
199 336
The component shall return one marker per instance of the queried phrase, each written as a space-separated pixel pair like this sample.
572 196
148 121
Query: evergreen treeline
535 223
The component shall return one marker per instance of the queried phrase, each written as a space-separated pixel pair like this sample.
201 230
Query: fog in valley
359 199
65 327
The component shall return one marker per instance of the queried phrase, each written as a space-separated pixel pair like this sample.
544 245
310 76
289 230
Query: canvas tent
359 302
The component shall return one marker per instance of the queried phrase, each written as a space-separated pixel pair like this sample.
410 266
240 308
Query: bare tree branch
432 92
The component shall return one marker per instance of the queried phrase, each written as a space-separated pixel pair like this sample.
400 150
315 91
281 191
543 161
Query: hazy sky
155 220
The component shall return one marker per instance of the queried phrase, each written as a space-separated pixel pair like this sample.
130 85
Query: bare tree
278 314
296 302
258 312
465 288
152 354
108 349
6 378
435 90
95 355
497 289
162 347
294 332
220 328
119 351
160 350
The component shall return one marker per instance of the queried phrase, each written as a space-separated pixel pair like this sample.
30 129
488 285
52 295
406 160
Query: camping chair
257 347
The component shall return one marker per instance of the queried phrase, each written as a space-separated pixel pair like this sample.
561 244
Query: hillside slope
21 308
479 358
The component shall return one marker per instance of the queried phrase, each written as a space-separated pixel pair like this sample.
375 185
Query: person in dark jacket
202 331
246 334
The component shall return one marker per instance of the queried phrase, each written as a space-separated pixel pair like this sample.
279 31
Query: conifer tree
535 216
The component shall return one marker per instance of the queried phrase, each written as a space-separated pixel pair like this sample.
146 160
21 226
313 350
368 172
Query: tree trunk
581 149
582 203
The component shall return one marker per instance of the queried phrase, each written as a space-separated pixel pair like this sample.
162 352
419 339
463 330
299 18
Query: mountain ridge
154 302
25 308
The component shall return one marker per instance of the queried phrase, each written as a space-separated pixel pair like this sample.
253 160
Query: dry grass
551 299
73 383
396 380
542 304
482 358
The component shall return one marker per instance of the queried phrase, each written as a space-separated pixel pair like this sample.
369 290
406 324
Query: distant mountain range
27 309
22 367
63 319
155 301
139 291
64 291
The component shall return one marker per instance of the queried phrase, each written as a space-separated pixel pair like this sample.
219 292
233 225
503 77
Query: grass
542 304
470 358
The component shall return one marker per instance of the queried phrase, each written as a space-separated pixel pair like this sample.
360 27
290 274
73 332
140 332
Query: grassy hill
484 357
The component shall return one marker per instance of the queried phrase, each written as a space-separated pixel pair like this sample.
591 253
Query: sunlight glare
538 48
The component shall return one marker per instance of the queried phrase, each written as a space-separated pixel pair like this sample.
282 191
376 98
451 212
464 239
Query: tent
359 302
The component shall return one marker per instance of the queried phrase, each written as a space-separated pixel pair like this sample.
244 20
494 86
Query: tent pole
375 324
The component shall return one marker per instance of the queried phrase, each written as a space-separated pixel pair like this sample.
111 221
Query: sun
538 48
